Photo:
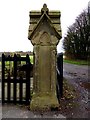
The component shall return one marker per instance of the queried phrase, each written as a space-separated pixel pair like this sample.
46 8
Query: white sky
14 20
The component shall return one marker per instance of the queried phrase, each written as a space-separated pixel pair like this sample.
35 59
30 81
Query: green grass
7 62
77 62
31 59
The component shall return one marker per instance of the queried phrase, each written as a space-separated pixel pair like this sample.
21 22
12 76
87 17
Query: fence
15 81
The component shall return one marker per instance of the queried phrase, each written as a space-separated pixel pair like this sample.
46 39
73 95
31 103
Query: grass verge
77 62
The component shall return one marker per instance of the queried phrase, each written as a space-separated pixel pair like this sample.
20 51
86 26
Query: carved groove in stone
45 39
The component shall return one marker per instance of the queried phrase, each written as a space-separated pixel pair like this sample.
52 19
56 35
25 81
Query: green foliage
77 41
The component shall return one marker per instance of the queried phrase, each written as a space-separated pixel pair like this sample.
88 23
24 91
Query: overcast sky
14 20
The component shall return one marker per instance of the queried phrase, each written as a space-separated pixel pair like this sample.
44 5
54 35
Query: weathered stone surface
44 36
54 18
54 21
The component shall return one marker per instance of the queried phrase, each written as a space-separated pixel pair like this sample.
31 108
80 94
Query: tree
77 41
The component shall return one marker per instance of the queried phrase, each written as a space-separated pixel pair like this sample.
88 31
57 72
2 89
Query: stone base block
44 102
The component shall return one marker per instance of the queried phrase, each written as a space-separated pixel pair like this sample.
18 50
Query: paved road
15 111
78 75
76 71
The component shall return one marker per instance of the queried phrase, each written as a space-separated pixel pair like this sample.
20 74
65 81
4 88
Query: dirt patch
68 103
86 85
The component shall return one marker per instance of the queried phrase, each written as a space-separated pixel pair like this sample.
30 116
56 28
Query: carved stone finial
44 9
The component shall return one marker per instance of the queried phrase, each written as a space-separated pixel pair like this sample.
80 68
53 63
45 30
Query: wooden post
15 77
8 88
27 79
3 77
20 89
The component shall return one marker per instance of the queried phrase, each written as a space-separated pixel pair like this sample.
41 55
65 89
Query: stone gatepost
44 33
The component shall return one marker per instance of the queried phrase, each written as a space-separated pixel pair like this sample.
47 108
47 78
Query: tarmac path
78 76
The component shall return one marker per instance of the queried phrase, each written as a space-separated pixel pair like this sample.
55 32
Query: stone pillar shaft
44 37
